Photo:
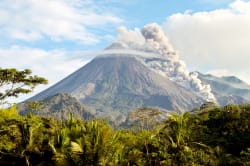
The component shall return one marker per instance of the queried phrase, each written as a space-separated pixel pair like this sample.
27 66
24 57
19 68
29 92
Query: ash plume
152 40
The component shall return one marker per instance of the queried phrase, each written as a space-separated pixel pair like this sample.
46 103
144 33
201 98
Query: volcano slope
117 84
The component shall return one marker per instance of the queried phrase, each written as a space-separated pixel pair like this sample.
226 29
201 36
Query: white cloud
58 20
216 39
53 65
30 22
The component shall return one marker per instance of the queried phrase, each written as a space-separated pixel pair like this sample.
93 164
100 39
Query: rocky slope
119 84
58 106
227 89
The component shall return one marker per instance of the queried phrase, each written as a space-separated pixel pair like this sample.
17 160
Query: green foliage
14 82
35 105
144 118
8 112
214 136
208 105
245 156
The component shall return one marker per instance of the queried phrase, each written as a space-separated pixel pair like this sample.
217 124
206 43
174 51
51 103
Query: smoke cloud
130 37
155 36
152 40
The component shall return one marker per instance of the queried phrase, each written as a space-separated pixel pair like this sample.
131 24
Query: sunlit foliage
208 136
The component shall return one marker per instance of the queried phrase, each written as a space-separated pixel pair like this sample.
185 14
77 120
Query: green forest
209 135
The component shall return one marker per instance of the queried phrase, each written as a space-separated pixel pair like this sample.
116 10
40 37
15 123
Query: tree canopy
14 82
210 136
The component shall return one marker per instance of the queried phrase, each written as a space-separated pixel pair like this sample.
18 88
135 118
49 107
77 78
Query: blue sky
55 37
133 13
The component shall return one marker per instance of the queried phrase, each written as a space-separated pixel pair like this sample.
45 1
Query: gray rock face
113 85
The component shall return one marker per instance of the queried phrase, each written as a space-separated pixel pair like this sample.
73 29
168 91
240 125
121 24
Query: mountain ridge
58 106
228 88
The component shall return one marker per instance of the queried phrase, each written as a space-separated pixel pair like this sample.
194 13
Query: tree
208 105
14 82
145 118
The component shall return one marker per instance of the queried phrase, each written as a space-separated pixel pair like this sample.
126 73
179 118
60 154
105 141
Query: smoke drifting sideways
163 59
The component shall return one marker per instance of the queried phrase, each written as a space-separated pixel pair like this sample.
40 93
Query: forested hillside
209 135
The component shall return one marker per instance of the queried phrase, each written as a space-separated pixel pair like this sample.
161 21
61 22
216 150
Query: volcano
141 69
118 84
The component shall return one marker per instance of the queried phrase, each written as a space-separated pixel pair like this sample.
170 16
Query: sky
53 38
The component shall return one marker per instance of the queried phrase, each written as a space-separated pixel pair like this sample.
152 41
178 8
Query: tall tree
14 82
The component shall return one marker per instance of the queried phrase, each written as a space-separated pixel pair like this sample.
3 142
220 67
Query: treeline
209 135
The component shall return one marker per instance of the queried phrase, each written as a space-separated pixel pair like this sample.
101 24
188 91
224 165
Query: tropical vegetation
209 135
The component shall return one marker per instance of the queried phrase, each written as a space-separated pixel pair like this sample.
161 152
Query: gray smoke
152 40
155 36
